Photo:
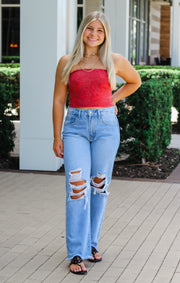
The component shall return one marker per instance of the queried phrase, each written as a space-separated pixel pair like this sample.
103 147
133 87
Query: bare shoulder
63 61
120 62
124 69
117 56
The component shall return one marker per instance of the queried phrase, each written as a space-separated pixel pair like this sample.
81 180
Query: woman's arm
125 70
60 96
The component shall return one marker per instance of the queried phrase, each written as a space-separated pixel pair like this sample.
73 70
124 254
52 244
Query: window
138 23
10 2
80 11
10 30
102 6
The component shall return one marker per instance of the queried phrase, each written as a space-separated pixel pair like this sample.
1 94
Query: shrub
7 133
7 59
166 72
123 118
10 76
148 122
155 67
159 73
176 98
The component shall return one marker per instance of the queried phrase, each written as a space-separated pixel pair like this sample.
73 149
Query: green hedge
9 94
10 76
176 98
10 59
7 133
158 67
166 72
145 120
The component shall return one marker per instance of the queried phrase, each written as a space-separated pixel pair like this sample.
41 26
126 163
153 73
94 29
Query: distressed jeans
91 139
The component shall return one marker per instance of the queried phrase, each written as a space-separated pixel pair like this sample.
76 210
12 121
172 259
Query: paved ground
140 239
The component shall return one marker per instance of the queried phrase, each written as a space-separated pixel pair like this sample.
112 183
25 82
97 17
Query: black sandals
94 251
77 260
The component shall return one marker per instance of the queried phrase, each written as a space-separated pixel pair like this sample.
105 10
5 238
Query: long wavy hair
104 49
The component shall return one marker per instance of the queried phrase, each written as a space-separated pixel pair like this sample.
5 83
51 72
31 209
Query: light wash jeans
91 139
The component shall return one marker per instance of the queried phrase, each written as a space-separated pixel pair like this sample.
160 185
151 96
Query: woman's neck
90 52
87 55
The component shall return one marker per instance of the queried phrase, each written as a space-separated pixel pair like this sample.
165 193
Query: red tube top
89 89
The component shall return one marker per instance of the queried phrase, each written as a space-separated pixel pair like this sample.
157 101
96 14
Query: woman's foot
77 266
95 255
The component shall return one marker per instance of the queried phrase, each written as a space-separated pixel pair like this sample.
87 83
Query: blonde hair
104 48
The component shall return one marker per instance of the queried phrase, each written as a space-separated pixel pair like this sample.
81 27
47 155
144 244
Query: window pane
135 9
79 16
138 31
80 1
10 1
10 31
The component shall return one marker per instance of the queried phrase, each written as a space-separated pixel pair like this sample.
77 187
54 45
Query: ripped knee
77 184
99 184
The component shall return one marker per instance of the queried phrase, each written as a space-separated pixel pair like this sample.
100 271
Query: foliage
7 133
166 72
148 120
159 73
155 67
12 59
10 76
176 98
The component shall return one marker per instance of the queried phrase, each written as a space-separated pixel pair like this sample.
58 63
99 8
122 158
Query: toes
83 267
97 256
75 268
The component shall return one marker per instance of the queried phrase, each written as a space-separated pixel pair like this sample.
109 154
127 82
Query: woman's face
94 34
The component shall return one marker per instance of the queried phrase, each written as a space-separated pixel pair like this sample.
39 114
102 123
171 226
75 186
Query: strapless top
89 89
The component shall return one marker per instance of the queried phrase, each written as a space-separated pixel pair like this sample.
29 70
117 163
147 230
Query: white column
117 12
43 42
175 33
71 24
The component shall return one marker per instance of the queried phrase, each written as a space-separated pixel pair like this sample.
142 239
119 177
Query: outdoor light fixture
14 45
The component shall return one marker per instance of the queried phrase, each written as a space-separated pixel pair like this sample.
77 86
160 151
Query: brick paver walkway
140 239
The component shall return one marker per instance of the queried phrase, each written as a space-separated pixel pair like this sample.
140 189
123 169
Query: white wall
175 33
92 5
43 42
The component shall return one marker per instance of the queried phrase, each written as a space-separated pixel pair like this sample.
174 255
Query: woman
91 132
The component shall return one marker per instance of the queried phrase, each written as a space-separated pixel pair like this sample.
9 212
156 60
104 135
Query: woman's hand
58 147
116 109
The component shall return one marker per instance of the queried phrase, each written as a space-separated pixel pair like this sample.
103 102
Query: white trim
175 37
10 5
80 6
